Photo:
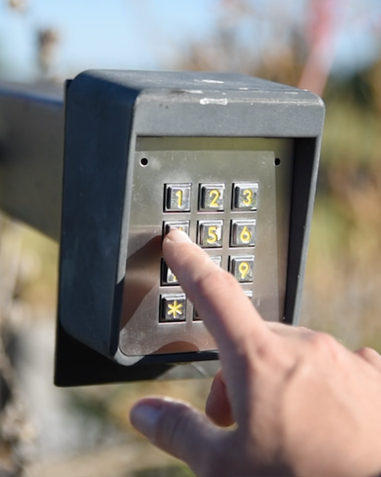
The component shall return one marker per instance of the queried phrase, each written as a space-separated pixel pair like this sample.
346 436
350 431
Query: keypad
218 223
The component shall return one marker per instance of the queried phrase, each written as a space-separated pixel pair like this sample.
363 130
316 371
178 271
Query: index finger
217 296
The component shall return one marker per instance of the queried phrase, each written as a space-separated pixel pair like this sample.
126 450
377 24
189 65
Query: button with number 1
177 197
245 196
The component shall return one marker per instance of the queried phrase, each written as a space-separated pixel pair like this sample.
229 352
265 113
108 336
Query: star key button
173 307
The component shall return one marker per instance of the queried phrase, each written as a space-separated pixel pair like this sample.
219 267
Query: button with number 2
212 197
245 196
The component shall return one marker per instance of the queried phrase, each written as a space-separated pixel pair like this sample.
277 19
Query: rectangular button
210 233
177 197
249 294
167 276
179 224
173 307
242 268
242 233
217 259
245 196
212 197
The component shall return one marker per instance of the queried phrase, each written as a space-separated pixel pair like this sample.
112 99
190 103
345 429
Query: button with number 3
242 268
242 233
245 196
212 197
210 233
177 197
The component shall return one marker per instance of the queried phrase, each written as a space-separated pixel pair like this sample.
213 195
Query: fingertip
177 236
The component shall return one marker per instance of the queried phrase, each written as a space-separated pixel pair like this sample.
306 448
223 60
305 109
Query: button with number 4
245 196
210 233
242 268
212 197
177 197
242 233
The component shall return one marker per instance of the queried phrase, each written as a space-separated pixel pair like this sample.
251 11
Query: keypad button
173 307
249 294
210 233
245 196
242 233
177 197
242 268
167 276
212 197
217 259
180 225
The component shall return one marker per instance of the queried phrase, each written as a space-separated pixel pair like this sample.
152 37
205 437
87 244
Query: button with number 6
242 268
242 233
245 196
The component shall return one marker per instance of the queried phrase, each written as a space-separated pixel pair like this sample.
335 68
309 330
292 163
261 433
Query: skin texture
300 403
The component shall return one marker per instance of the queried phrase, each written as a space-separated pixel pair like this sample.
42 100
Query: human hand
301 403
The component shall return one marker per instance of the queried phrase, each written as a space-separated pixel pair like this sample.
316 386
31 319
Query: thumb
182 431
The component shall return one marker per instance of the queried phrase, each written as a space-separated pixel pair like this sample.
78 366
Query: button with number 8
210 233
212 197
245 196
242 268
242 233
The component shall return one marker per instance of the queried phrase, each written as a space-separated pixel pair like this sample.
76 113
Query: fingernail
144 418
178 236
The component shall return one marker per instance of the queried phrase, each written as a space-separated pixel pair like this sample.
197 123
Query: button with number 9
242 268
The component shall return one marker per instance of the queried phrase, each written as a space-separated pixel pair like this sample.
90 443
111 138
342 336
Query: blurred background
331 47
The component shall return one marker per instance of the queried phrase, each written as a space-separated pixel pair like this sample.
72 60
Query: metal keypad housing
231 197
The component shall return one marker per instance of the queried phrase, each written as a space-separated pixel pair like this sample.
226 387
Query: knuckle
368 354
324 343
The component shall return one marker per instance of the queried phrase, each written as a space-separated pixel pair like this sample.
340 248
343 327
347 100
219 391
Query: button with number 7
242 233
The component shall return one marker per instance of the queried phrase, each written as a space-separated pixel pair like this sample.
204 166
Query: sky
148 34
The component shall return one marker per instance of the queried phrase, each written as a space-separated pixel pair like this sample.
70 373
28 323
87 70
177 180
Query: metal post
31 154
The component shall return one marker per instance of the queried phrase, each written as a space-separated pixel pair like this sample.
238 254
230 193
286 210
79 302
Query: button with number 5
245 196
242 233
242 268
210 233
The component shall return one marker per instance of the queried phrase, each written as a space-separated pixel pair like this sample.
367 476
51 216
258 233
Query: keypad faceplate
232 199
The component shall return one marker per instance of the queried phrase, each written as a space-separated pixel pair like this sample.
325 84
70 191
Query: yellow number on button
248 193
245 235
243 269
216 195
179 195
213 237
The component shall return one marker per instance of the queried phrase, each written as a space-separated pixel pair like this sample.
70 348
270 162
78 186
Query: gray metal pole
31 154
